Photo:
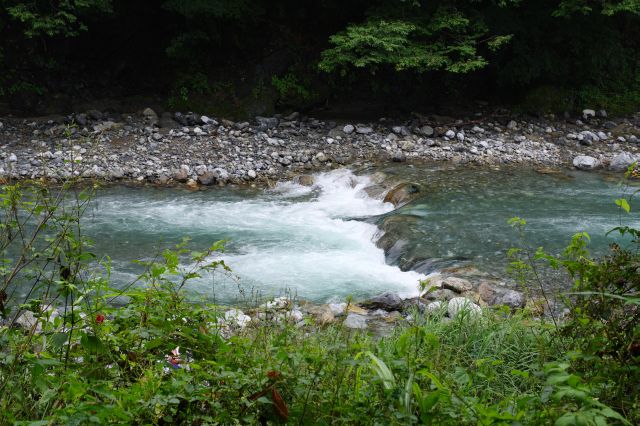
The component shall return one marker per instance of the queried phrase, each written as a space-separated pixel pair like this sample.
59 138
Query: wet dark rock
304 180
386 301
402 194
442 294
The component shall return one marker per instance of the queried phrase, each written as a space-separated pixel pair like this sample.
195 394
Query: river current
319 242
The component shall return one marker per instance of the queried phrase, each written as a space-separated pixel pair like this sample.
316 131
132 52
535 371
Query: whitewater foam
305 240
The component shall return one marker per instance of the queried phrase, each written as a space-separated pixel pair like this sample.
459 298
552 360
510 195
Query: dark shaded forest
246 57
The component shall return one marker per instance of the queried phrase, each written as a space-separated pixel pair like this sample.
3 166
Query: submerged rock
304 180
402 194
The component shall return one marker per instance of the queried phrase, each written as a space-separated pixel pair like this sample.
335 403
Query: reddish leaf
280 406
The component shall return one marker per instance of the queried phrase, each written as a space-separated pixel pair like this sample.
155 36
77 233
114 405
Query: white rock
450 134
585 162
337 308
460 136
198 131
348 129
295 315
27 321
355 321
363 130
238 317
462 305
277 303
621 162
433 307
588 113
252 174
13 158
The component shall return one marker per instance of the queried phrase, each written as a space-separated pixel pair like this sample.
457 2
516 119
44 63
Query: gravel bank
198 150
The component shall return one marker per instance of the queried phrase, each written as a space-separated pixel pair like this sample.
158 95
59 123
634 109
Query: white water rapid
305 240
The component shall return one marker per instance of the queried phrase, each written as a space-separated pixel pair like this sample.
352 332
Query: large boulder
386 301
355 321
457 285
463 306
621 162
585 162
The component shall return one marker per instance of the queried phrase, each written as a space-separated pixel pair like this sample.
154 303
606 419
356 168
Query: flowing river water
319 242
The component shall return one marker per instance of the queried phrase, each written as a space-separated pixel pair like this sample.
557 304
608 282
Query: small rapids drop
310 241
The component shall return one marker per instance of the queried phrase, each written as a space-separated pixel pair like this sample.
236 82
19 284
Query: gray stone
427 131
28 321
513 299
450 134
433 307
585 162
364 130
206 178
462 305
337 309
94 114
304 180
12 158
440 294
106 126
355 321
182 174
150 116
265 123
407 145
398 157
602 113
458 285
221 174
588 136
348 129
237 317
321 157
621 162
293 116
208 121
387 301
512 125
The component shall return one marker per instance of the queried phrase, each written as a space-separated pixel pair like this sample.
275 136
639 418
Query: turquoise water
320 242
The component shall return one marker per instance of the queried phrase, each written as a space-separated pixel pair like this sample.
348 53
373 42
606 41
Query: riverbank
200 151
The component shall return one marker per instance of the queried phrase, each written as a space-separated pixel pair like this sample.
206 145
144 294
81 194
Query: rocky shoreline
198 150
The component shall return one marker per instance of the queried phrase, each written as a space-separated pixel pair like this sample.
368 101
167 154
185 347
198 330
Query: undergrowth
161 359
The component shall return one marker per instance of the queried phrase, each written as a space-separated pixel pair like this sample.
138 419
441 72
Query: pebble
137 150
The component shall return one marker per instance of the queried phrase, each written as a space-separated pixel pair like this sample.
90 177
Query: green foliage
161 359
61 17
421 45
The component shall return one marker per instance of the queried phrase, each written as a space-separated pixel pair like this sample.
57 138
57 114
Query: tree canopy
234 50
